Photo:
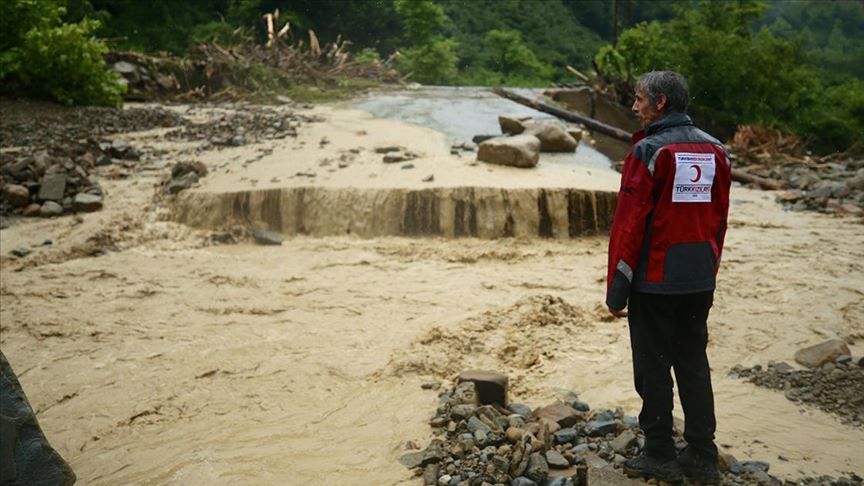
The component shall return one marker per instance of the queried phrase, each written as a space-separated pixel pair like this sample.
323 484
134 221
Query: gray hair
669 84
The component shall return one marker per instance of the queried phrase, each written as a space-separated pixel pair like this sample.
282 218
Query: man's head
658 93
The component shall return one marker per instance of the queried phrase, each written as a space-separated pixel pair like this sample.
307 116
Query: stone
462 411
263 237
26 457
475 424
182 168
394 157
124 68
432 454
556 460
560 413
538 469
387 149
599 428
552 137
520 409
748 467
181 183
518 151
501 463
50 209
623 442
430 475
20 252
444 480
429 178
565 435
576 133
725 461
491 386
18 196
819 354
407 166
856 183
53 187
87 202
522 481
32 210
119 147
514 434
512 125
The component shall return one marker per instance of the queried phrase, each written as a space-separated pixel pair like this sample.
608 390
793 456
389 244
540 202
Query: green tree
430 58
45 58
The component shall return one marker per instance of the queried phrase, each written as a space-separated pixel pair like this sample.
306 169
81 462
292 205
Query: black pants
671 331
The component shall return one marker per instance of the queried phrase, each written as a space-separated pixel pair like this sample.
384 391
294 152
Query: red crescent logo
698 173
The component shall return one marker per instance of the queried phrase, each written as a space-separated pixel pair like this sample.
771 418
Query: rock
53 187
576 133
518 151
430 475
182 168
562 414
514 434
20 252
522 481
395 157
599 428
18 196
429 178
462 411
32 210
387 149
512 125
50 209
490 386
432 454
725 461
552 137
556 460
431 385
25 454
444 480
501 463
263 237
181 183
87 202
565 435
856 183
819 354
475 424
623 442
538 469
119 148
223 238
407 166
748 467
520 409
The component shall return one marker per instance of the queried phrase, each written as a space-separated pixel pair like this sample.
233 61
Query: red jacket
670 219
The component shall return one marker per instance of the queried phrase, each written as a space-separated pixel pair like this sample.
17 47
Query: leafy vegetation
738 76
42 57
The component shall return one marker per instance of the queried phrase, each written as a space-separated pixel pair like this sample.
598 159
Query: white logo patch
694 176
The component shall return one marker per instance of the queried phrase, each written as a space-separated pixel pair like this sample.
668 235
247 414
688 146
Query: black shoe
648 467
699 468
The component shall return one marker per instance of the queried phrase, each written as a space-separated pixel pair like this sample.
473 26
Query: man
664 251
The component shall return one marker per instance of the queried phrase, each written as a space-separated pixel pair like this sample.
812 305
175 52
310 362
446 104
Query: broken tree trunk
591 123
769 184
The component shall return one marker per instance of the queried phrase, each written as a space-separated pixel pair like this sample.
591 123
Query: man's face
645 110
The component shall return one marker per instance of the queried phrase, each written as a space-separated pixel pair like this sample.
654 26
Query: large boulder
26 457
518 151
819 354
552 137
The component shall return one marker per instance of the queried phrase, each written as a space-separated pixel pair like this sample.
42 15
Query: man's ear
661 103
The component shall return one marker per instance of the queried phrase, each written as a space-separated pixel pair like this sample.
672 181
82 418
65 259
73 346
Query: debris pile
829 184
243 126
479 441
210 71
834 383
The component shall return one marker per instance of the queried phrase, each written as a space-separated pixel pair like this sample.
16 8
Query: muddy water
174 361
462 112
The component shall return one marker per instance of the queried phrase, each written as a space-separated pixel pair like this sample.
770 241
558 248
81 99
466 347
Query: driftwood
591 123
769 184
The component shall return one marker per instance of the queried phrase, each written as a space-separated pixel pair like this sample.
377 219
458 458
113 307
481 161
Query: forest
794 65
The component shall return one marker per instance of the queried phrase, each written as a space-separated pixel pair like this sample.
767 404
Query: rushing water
462 112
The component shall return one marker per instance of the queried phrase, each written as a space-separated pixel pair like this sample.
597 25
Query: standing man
664 251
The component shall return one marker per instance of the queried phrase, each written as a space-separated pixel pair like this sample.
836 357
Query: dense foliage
741 76
42 57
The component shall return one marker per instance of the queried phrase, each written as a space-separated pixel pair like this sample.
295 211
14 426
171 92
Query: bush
44 58
431 63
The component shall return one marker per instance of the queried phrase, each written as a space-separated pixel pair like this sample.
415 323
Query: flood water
463 112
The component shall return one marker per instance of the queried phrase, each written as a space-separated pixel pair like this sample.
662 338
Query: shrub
45 58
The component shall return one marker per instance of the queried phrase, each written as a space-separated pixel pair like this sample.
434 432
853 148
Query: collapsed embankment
483 212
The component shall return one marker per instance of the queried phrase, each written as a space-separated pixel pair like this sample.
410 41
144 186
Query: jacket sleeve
635 203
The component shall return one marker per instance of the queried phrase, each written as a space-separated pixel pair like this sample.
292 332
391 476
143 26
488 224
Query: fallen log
591 123
746 178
